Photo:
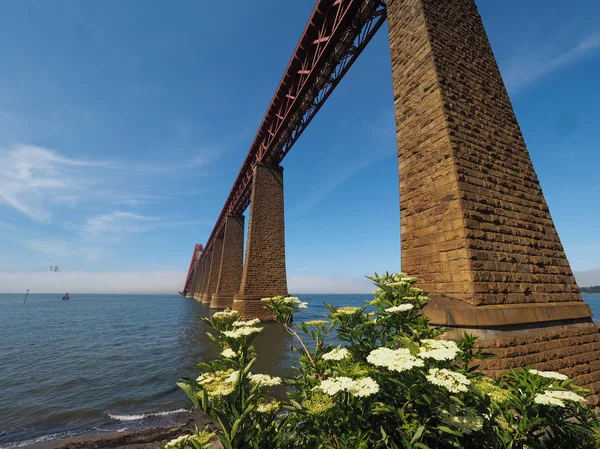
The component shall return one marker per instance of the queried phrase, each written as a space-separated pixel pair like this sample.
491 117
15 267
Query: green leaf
235 427
449 431
190 392
417 434
295 404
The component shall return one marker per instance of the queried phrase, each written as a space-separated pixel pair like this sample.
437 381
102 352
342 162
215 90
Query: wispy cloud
33 180
524 70
116 225
32 177
322 191
61 249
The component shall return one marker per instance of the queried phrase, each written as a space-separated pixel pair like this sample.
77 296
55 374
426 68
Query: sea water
106 363
109 363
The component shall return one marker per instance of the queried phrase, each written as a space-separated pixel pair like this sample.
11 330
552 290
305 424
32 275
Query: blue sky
124 124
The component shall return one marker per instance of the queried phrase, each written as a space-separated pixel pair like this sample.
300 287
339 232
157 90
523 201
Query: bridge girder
335 35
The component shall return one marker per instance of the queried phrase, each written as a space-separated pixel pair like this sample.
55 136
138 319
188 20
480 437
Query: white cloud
61 249
524 70
114 225
35 180
100 282
32 177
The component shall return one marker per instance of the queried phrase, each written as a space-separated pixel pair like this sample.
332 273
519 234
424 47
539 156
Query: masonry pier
232 261
213 273
475 227
202 279
264 272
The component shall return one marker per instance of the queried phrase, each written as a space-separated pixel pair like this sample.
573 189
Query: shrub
390 383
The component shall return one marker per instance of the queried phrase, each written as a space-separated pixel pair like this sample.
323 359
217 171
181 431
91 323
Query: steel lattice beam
336 34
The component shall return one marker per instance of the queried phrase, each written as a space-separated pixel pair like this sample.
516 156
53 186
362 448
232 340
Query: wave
145 415
42 439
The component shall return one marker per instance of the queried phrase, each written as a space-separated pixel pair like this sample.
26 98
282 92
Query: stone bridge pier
264 272
475 227
232 261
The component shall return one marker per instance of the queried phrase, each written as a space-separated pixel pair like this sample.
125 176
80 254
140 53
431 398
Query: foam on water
145 415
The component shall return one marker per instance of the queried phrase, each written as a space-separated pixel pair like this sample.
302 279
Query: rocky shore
143 439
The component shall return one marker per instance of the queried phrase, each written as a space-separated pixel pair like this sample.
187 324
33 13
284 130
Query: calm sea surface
106 363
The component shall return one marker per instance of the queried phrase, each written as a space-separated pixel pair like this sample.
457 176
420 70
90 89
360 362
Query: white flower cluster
225 314
268 407
177 441
451 381
362 387
336 354
246 323
265 380
316 322
242 331
219 383
287 300
394 359
347 310
549 374
229 353
233 377
438 349
554 397
400 308
400 280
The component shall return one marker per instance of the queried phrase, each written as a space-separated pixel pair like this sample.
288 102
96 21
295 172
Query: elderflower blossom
265 380
218 383
347 310
438 349
451 381
336 354
225 314
221 390
229 353
177 441
362 387
400 308
242 331
268 407
334 385
496 393
303 305
318 404
233 377
553 397
316 323
549 374
246 323
394 359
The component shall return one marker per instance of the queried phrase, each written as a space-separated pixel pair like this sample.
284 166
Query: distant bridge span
475 226
335 35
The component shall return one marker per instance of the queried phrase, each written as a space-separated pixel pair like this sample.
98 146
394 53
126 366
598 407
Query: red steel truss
335 35
189 279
